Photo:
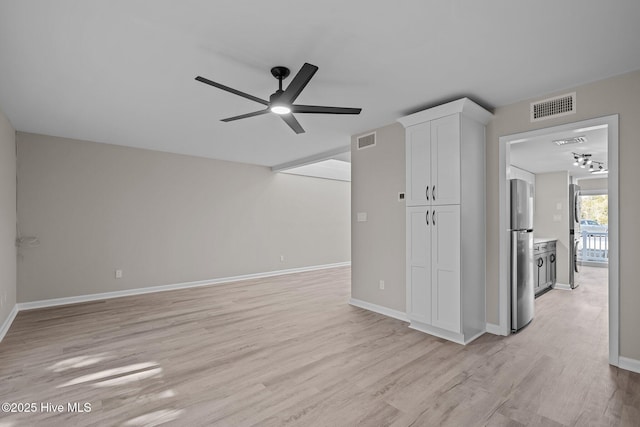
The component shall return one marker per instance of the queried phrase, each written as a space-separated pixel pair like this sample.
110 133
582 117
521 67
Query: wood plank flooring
290 351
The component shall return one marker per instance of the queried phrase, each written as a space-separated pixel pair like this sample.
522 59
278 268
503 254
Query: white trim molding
385 311
152 289
463 105
494 329
614 239
7 323
562 286
629 364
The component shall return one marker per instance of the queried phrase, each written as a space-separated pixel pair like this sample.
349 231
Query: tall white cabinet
445 197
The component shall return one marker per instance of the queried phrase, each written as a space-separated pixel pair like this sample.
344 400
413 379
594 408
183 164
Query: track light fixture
584 160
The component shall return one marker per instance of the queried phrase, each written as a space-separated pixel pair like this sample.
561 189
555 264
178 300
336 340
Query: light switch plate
362 216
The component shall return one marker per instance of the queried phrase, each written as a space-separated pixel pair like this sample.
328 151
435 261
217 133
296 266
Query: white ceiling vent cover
553 107
366 141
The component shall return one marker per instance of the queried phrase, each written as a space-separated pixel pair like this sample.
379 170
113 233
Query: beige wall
7 218
616 95
552 190
595 184
378 245
164 218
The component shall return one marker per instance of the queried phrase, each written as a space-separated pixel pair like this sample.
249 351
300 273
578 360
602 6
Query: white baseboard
629 364
493 329
389 312
7 323
151 289
442 333
562 286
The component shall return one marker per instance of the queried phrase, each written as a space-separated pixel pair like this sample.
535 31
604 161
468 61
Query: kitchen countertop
537 240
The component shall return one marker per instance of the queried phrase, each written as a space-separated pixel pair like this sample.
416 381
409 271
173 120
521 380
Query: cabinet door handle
427 192
427 217
540 262
433 192
433 217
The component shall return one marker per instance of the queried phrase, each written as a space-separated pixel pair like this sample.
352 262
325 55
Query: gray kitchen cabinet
544 259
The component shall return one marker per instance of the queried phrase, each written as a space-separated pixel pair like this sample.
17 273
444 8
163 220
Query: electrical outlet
382 285
281 258
118 274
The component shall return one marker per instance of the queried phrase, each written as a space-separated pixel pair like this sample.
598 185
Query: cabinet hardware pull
433 217
433 192
427 192
427 217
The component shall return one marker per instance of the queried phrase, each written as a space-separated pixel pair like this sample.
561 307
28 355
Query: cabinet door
419 264
445 160
445 267
543 269
418 165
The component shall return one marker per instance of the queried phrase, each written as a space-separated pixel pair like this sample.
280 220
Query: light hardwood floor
290 351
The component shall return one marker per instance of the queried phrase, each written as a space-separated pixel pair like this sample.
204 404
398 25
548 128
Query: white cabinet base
442 333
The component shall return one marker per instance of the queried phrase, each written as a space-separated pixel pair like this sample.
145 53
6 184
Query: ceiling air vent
366 141
553 107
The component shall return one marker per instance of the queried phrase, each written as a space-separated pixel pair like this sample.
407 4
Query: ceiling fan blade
318 109
298 83
292 122
234 91
244 116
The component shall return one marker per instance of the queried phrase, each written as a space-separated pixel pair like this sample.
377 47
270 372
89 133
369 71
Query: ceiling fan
281 101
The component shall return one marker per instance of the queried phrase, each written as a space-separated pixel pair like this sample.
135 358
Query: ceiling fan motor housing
280 72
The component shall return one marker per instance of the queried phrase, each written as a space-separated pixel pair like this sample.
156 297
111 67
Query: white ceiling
542 155
123 72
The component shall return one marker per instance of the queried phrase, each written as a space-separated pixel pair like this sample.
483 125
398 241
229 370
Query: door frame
613 176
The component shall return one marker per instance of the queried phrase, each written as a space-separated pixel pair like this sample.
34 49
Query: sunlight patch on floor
78 362
129 378
110 373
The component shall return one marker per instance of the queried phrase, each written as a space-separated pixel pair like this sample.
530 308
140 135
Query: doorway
594 228
610 123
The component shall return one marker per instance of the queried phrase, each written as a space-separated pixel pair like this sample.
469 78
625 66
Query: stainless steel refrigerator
522 285
574 233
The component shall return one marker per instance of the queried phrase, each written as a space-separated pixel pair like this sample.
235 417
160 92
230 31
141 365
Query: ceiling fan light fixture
280 109
281 102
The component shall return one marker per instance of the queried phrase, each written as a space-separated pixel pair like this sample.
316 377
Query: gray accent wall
163 218
378 244
7 218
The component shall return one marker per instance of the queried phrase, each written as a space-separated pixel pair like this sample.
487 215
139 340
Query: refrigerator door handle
575 256
514 280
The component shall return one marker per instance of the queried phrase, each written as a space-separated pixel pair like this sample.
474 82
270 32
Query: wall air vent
366 141
553 107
